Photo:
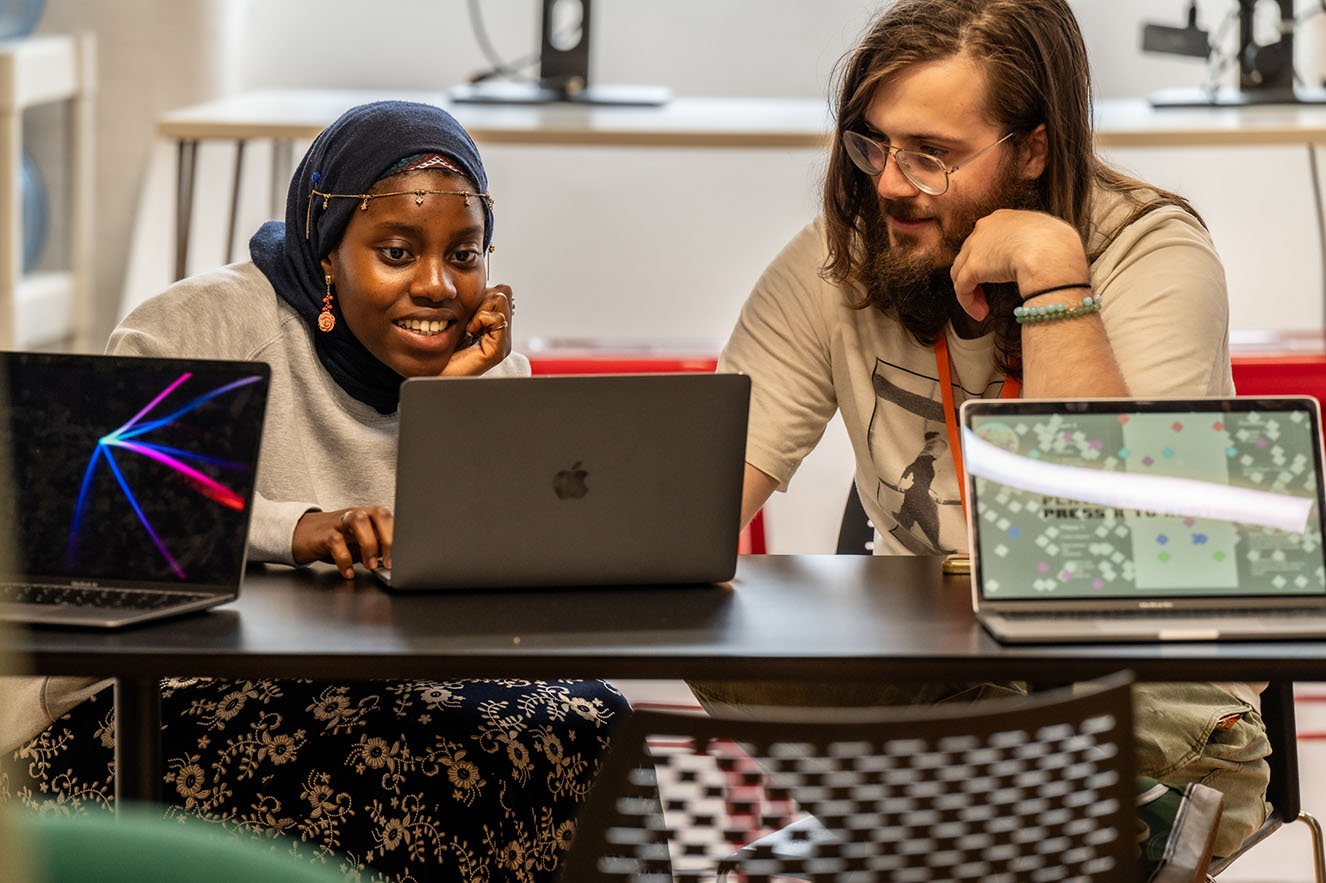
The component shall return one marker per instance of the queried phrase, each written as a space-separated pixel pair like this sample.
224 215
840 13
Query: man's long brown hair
1036 72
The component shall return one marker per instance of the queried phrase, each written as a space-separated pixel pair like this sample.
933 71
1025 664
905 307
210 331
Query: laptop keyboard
1103 615
108 599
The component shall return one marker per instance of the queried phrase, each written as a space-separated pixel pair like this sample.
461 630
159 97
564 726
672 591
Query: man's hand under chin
1032 249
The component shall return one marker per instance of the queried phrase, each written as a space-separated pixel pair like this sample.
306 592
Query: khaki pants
1177 727
1179 741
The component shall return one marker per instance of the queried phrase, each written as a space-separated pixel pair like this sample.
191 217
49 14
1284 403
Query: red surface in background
607 364
1280 363
1281 375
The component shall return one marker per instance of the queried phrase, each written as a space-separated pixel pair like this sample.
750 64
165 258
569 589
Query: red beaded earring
326 319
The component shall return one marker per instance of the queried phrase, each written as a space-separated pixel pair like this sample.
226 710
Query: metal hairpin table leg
281 171
138 740
240 144
187 162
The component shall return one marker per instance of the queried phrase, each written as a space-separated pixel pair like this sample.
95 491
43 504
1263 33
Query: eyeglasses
926 173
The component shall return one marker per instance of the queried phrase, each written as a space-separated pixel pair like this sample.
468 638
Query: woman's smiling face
408 276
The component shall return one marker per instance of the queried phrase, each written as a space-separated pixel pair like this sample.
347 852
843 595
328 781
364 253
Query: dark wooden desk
783 617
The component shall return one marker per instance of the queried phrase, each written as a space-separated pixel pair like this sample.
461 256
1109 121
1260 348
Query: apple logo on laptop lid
569 484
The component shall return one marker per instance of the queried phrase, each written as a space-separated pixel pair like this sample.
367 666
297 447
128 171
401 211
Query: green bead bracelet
1051 312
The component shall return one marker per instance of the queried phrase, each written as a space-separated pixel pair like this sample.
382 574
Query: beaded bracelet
1054 288
1051 312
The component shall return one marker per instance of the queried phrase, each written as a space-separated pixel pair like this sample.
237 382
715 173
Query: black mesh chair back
1028 789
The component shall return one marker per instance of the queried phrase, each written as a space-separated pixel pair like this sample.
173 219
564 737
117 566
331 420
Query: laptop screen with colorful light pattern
130 471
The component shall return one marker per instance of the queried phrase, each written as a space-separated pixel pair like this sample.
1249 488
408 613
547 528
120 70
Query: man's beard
917 289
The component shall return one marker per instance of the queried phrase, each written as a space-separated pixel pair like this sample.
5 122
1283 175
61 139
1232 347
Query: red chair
1280 363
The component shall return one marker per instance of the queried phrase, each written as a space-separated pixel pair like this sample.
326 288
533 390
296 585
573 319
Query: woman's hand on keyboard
344 536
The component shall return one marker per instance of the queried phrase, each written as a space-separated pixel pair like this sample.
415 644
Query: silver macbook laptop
126 485
1120 520
569 480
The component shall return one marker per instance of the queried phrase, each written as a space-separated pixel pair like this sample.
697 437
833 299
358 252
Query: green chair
139 845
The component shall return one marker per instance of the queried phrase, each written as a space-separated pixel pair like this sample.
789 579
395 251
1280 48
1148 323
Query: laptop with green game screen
1146 520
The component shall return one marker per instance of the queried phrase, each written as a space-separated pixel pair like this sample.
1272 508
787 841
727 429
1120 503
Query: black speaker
564 56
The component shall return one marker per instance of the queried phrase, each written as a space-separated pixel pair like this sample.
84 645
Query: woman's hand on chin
488 333
345 536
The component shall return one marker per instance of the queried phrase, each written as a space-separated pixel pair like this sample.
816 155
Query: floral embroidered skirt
462 780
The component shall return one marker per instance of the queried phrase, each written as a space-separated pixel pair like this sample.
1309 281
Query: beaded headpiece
413 163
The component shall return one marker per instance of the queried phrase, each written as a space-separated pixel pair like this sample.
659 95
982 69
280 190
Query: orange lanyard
1012 387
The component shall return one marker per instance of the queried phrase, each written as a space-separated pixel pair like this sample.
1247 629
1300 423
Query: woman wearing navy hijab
378 273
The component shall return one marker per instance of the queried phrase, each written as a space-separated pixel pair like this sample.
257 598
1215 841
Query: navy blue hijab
350 156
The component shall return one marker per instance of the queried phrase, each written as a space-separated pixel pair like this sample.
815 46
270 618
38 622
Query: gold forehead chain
365 197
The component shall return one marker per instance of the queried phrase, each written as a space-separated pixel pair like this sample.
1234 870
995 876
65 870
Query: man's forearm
1069 358
756 488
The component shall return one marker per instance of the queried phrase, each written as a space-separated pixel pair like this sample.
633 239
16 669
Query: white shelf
38 70
43 308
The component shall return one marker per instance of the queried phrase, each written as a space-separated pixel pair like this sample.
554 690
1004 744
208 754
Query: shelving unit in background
47 307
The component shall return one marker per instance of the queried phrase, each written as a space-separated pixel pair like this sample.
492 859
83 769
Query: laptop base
1059 629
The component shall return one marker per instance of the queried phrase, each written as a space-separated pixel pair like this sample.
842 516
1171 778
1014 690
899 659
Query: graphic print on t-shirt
908 443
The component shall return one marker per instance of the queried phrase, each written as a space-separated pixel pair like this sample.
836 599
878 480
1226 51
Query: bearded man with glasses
963 186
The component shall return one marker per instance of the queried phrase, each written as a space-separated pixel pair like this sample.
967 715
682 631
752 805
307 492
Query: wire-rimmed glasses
926 173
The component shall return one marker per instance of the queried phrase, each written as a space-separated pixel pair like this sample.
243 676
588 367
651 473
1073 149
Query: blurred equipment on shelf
1188 40
563 60
1264 54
